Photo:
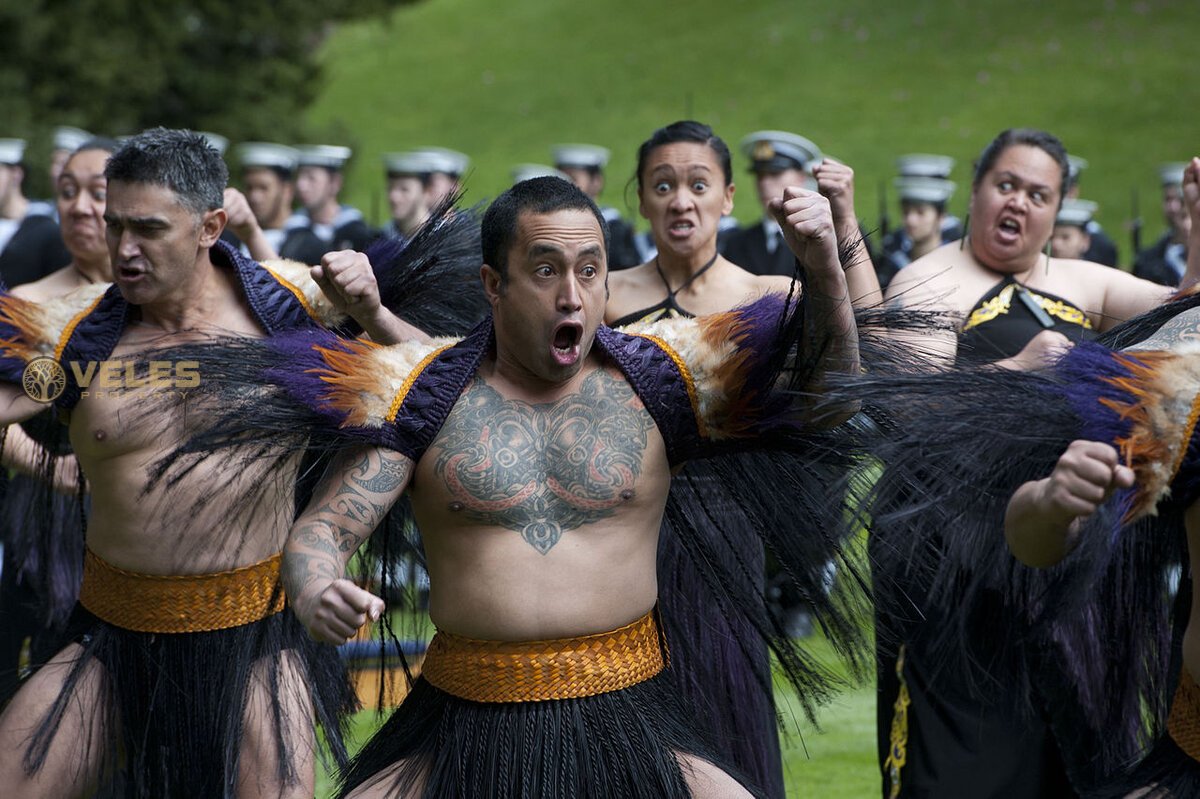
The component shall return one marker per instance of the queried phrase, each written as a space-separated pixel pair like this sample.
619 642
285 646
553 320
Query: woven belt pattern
1184 721
189 603
537 671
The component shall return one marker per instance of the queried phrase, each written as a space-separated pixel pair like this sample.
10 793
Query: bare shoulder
937 278
1092 271
55 284
935 264
774 284
1111 295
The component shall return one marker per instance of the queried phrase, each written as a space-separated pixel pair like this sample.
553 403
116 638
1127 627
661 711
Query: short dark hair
940 207
544 195
1046 142
97 143
282 172
180 160
425 178
686 130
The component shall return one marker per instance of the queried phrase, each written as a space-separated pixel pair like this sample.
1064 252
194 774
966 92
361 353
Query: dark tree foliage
242 68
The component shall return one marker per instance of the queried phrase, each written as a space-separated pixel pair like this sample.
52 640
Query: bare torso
119 437
540 515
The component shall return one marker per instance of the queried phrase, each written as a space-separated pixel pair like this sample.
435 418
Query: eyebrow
538 250
545 249
685 168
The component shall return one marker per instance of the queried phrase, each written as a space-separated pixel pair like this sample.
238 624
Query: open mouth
129 272
681 228
1010 226
565 344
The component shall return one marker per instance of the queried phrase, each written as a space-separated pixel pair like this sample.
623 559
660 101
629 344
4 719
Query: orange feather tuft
27 319
350 375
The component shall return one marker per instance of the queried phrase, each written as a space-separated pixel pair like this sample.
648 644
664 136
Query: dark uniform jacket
1161 262
35 250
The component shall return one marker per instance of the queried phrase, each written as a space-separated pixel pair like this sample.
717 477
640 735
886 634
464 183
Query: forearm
313 558
16 405
861 280
1035 537
1192 276
24 455
356 494
830 342
256 242
384 327
831 334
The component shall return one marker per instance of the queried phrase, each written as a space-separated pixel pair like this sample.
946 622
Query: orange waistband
1184 722
187 603
536 671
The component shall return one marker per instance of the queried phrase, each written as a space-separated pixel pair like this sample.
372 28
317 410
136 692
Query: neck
279 220
193 305
410 224
521 383
926 246
1020 274
95 269
679 268
325 213
15 207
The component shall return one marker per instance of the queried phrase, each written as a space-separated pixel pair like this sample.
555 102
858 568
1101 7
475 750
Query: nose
127 246
82 204
570 298
1018 202
682 199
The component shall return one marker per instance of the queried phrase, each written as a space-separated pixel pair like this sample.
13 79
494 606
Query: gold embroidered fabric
898 739
189 603
1002 303
1184 721
537 671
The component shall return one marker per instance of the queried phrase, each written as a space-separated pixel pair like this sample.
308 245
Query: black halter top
1009 315
668 307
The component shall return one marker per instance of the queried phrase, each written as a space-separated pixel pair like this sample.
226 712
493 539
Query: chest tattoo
543 469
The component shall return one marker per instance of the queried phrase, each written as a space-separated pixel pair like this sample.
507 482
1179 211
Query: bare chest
542 469
113 419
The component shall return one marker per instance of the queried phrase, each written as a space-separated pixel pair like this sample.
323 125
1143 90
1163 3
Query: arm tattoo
1181 329
543 469
323 539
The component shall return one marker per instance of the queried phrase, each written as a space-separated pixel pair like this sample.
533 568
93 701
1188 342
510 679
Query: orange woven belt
536 671
1184 722
188 603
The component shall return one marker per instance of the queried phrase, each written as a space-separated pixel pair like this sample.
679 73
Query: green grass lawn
865 80
836 763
